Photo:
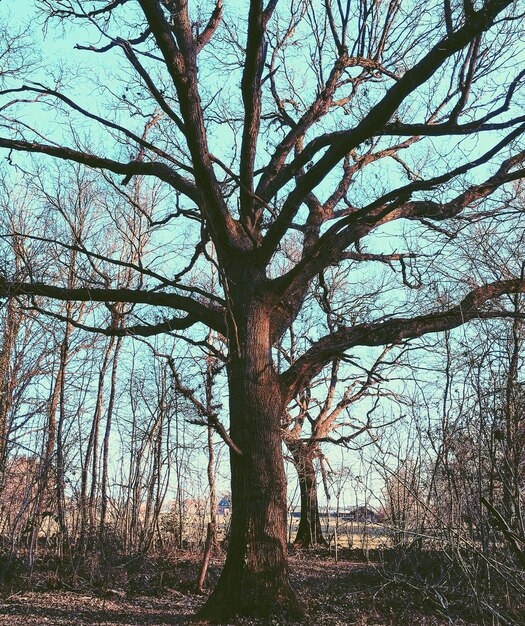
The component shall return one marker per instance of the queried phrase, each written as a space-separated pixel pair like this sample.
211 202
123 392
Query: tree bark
255 579
208 549
60 456
213 498
10 329
309 532
105 445
47 482
91 453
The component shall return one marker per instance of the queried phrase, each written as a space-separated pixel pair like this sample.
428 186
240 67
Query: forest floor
349 592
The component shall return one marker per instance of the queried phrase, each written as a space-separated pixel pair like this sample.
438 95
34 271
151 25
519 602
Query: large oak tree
277 125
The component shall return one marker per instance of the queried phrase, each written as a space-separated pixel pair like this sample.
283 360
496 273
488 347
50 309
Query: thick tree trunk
309 532
255 579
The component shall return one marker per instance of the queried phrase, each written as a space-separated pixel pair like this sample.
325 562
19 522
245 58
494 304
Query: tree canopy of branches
283 135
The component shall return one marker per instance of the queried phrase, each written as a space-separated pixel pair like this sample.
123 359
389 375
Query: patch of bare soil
346 593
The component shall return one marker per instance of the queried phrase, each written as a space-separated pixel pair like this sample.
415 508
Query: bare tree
337 419
329 92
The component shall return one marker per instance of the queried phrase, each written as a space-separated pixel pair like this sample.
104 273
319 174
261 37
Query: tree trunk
87 508
309 532
208 549
105 445
10 329
212 527
60 457
46 480
255 579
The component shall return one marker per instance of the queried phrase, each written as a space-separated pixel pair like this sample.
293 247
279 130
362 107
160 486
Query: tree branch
255 57
210 417
180 55
136 330
211 27
371 123
393 331
394 205
133 168
207 313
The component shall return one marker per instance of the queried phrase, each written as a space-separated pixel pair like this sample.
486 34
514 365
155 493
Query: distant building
363 514
225 506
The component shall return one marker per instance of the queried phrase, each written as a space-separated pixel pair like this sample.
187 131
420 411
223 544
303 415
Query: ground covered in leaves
351 591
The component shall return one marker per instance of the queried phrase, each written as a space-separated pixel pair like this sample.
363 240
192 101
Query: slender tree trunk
211 543
136 474
178 462
87 512
213 497
206 557
153 491
60 459
46 479
10 330
105 445
511 461
255 576
309 532
211 537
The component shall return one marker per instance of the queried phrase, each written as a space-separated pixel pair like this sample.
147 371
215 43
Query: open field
347 593
350 534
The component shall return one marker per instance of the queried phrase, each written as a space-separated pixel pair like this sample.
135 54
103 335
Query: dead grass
347 593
